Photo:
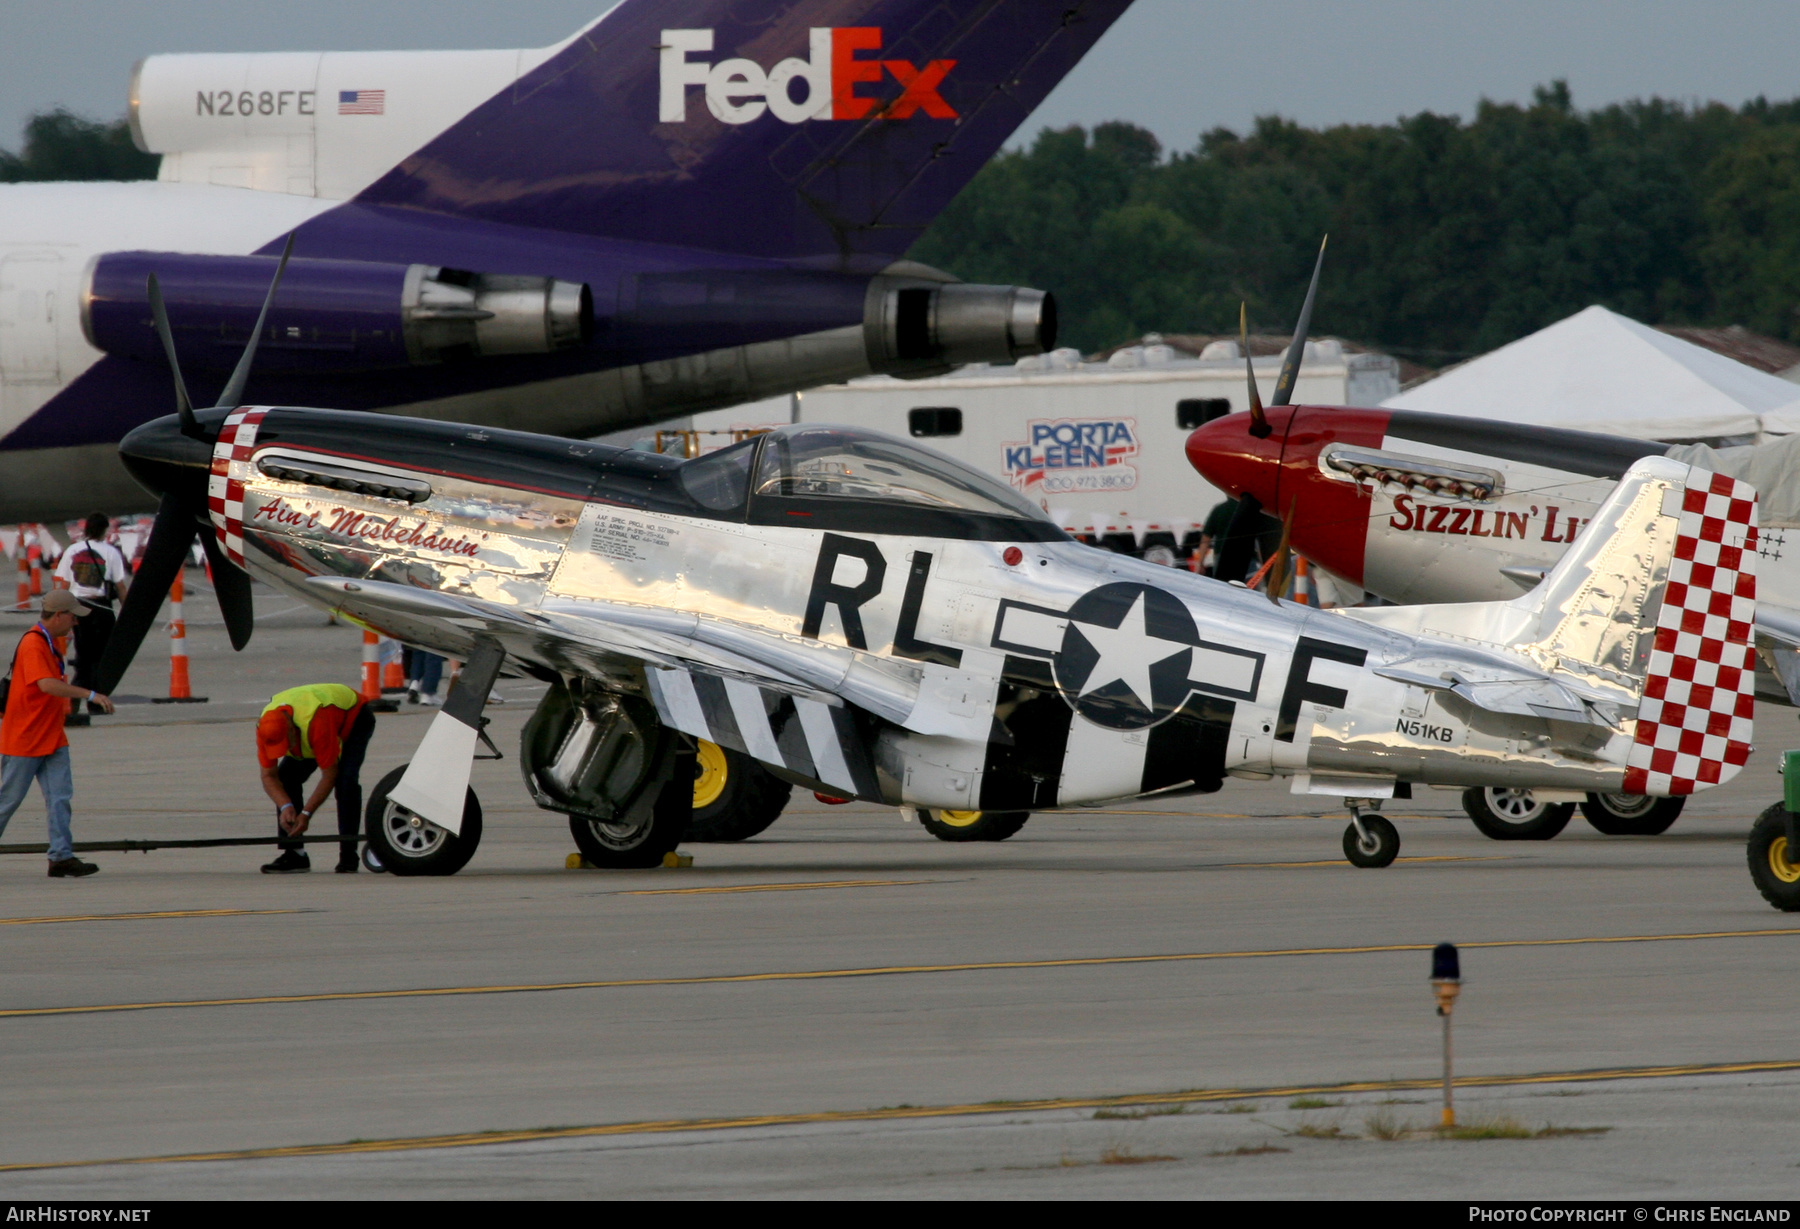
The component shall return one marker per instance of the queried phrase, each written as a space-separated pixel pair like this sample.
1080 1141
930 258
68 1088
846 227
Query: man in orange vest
322 726
33 746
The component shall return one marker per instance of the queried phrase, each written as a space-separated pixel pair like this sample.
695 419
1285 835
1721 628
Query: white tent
1600 371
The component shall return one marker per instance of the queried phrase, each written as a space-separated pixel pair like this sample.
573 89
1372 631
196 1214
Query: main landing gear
1370 840
1506 813
734 796
972 825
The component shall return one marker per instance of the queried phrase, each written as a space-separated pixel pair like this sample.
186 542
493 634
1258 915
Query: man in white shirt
95 571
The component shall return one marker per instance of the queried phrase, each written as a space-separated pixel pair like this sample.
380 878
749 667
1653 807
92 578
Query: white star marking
1127 653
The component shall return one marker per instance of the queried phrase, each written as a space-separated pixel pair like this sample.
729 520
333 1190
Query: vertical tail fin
1652 609
834 130
1659 594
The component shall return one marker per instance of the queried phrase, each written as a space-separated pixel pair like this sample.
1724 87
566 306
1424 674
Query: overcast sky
1178 67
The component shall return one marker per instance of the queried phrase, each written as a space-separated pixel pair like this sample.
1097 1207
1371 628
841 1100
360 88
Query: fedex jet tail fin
831 131
1652 609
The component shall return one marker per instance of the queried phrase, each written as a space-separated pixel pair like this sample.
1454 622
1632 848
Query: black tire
405 849
1631 814
734 796
1507 814
1383 846
1775 877
973 825
634 846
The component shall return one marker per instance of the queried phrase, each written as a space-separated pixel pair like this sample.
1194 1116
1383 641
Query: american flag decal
362 102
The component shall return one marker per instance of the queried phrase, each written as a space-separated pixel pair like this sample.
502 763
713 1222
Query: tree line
1448 237
59 145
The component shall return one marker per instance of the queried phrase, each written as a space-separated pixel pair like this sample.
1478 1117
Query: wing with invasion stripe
813 738
785 700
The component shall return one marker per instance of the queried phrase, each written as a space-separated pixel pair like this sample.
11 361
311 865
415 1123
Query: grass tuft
1499 1126
1242 1107
1158 1111
1125 1156
1382 1124
1314 1130
1251 1150
1312 1103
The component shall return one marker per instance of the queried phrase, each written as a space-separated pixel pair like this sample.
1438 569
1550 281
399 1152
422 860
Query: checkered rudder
1694 726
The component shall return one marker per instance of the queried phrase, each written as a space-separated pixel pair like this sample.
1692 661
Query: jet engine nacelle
332 315
918 328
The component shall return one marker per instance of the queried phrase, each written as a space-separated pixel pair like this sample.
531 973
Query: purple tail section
829 132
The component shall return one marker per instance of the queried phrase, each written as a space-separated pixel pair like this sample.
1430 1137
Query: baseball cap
57 601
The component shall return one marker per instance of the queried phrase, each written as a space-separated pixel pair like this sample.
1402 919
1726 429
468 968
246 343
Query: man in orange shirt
33 746
323 726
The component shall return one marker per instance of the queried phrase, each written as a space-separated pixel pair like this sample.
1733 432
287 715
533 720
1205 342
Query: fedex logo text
739 91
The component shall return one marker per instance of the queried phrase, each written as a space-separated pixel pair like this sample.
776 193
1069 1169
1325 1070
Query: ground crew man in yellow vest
324 726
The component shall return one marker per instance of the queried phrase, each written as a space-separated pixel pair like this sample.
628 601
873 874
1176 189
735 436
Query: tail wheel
1507 814
1377 845
734 796
1631 814
973 825
407 844
1775 876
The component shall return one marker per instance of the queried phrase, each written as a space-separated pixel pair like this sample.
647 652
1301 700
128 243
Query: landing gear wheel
1631 814
973 825
406 844
1507 814
1379 849
1777 878
629 844
734 796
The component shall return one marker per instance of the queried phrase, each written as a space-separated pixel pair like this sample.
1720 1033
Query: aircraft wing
922 698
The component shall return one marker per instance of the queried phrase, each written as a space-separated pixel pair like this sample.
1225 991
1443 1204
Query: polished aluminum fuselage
1245 686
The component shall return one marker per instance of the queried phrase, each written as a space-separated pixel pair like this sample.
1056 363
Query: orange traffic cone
35 554
24 574
393 674
371 667
180 690
179 686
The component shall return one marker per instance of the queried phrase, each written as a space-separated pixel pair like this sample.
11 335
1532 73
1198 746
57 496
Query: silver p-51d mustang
869 619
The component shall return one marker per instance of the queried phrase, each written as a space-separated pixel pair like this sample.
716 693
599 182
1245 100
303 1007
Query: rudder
1695 722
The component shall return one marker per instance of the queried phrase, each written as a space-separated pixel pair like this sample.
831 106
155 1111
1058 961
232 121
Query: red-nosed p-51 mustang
867 618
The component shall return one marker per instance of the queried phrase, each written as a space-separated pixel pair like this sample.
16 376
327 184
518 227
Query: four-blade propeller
181 515
1240 539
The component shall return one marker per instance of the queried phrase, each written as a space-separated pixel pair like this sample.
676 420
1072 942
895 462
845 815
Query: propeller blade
231 585
190 426
240 376
1259 422
1240 539
1282 567
1290 366
170 536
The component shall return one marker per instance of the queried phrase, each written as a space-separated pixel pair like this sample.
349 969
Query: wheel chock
675 861
575 862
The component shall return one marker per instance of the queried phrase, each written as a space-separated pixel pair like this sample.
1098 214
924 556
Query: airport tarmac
847 1007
